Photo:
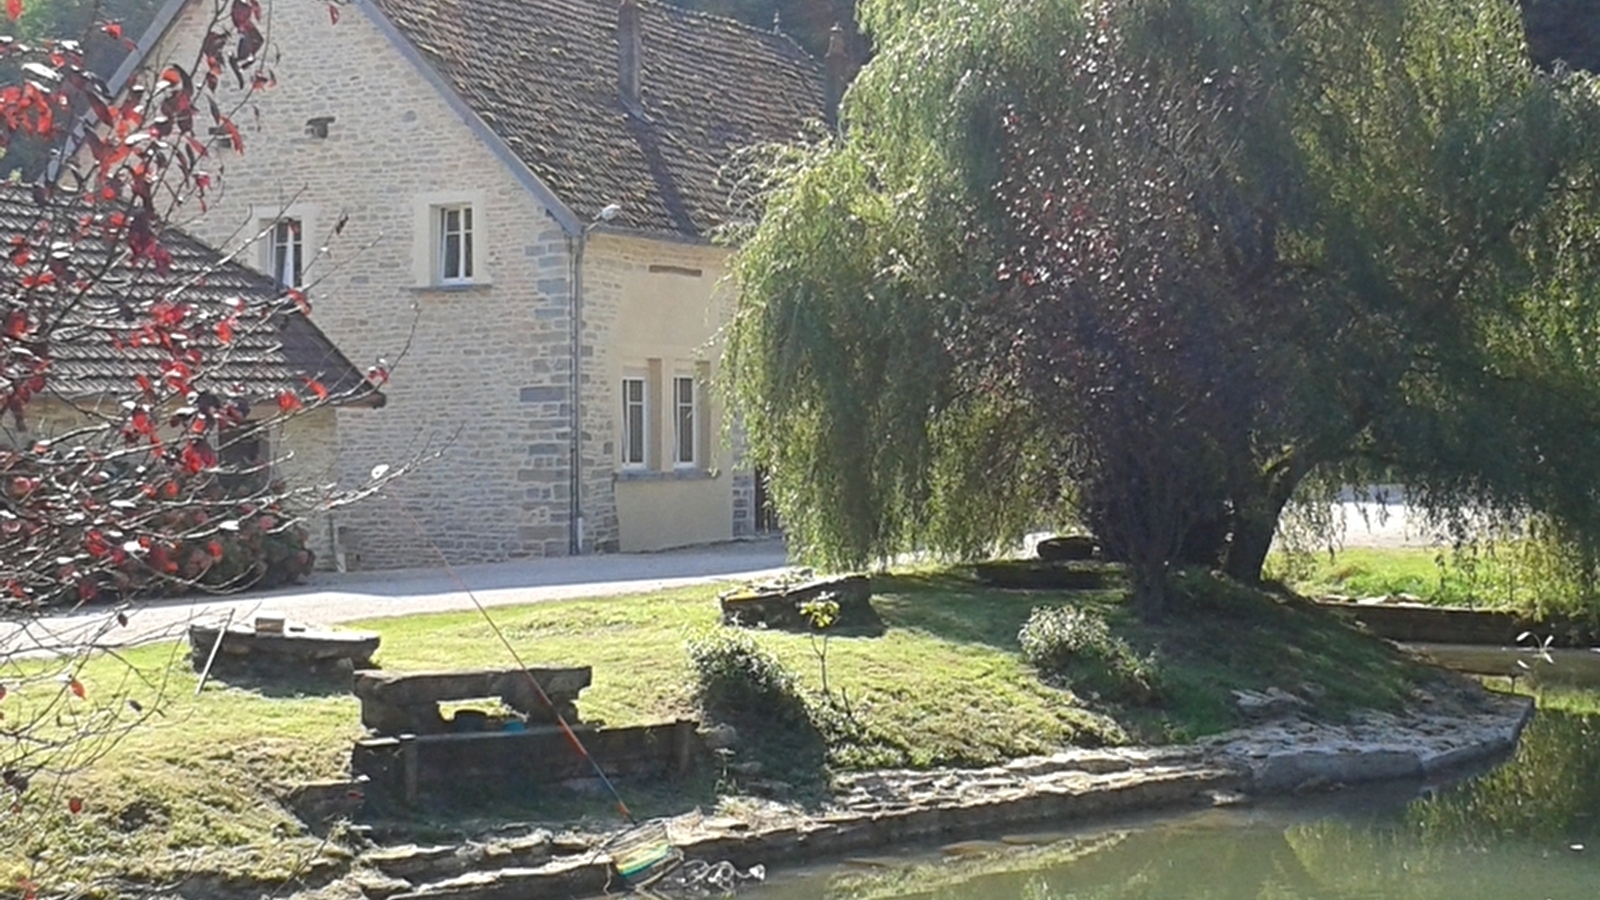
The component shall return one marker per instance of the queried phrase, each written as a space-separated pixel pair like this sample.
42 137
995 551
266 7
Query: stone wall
304 450
478 372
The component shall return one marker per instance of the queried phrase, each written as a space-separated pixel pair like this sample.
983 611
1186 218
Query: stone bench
396 703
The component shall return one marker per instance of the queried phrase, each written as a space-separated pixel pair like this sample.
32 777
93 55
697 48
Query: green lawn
1488 579
943 684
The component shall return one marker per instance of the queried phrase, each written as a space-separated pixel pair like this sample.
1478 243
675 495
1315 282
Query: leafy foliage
1076 646
136 484
738 680
1152 265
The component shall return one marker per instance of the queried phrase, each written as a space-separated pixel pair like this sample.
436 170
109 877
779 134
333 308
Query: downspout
575 406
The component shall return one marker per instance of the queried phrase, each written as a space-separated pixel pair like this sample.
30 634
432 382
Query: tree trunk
1149 583
1255 522
1248 547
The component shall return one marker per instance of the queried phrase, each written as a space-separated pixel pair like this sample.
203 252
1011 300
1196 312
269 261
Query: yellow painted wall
656 515
656 309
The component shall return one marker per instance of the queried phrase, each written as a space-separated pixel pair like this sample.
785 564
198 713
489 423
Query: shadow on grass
953 606
281 684
1218 637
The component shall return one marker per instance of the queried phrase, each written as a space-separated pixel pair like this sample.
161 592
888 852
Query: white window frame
682 429
467 247
286 252
427 239
629 404
267 216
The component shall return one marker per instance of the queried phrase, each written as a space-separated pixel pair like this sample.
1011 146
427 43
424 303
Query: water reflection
1527 829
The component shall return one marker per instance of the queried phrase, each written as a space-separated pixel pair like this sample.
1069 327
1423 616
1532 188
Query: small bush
1076 647
735 678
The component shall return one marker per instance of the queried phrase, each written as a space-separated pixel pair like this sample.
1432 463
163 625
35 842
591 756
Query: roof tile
543 75
262 361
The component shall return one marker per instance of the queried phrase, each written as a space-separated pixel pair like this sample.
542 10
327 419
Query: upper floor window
455 244
285 253
683 421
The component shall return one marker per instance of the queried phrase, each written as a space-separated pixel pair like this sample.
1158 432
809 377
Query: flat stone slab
1294 755
1421 623
296 643
408 702
1048 575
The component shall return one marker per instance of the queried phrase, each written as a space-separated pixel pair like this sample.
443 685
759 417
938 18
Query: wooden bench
396 703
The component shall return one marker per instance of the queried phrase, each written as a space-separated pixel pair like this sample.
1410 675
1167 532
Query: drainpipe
575 462
576 245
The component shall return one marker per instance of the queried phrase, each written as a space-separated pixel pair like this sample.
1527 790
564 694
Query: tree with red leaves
136 368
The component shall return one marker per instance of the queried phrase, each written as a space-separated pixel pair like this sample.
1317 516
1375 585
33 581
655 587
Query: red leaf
75 805
316 387
13 9
299 298
76 687
114 29
333 14
198 456
288 402
225 331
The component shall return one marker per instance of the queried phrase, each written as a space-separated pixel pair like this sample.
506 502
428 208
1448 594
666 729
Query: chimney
628 52
836 73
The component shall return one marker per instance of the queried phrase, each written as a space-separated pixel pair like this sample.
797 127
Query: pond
1527 829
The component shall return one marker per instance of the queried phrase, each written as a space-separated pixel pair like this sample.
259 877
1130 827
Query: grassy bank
1521 576
942 683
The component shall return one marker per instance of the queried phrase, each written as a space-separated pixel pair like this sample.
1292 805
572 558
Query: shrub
1076 646
736 678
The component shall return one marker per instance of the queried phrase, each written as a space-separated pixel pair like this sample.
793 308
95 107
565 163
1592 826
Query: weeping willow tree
1151 264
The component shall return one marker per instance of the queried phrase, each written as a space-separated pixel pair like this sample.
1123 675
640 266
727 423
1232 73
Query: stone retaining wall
879 809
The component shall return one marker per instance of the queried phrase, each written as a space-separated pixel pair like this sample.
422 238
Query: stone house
529 189
89 377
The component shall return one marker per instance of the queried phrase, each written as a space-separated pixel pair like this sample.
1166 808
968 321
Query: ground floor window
633 422
684 422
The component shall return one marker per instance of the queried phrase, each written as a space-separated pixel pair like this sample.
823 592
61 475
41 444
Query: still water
1528 829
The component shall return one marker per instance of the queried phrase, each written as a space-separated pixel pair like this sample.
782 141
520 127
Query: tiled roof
543 74
263 357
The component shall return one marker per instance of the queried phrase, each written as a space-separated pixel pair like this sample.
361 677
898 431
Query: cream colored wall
650 300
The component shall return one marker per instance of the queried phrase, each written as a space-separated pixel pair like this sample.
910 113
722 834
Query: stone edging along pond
878 809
